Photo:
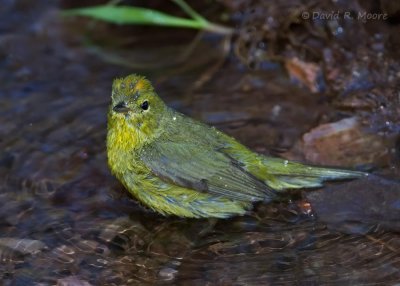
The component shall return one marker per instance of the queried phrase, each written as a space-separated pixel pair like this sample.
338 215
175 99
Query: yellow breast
122 141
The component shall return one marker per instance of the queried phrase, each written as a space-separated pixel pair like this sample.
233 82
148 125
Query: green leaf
136 15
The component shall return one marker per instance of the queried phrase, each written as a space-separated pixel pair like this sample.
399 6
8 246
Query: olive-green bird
177 165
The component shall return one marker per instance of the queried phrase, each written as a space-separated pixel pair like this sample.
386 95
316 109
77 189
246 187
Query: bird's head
135 103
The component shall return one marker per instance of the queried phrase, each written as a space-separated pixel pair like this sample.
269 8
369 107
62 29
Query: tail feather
286 182
292 175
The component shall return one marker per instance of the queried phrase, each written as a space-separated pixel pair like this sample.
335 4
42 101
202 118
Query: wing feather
205 169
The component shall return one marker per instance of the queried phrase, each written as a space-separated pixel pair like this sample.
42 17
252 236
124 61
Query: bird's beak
121 107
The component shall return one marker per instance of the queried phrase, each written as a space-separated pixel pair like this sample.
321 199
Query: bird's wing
205 169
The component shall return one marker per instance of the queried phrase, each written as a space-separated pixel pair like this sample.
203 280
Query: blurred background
312 81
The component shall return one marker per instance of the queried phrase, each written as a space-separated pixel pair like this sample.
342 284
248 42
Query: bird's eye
145 105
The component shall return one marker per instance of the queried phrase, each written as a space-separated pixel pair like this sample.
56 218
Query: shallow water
66 220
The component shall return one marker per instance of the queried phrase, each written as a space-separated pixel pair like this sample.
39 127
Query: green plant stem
219 29
189 10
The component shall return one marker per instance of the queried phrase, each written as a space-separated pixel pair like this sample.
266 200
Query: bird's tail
292 175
